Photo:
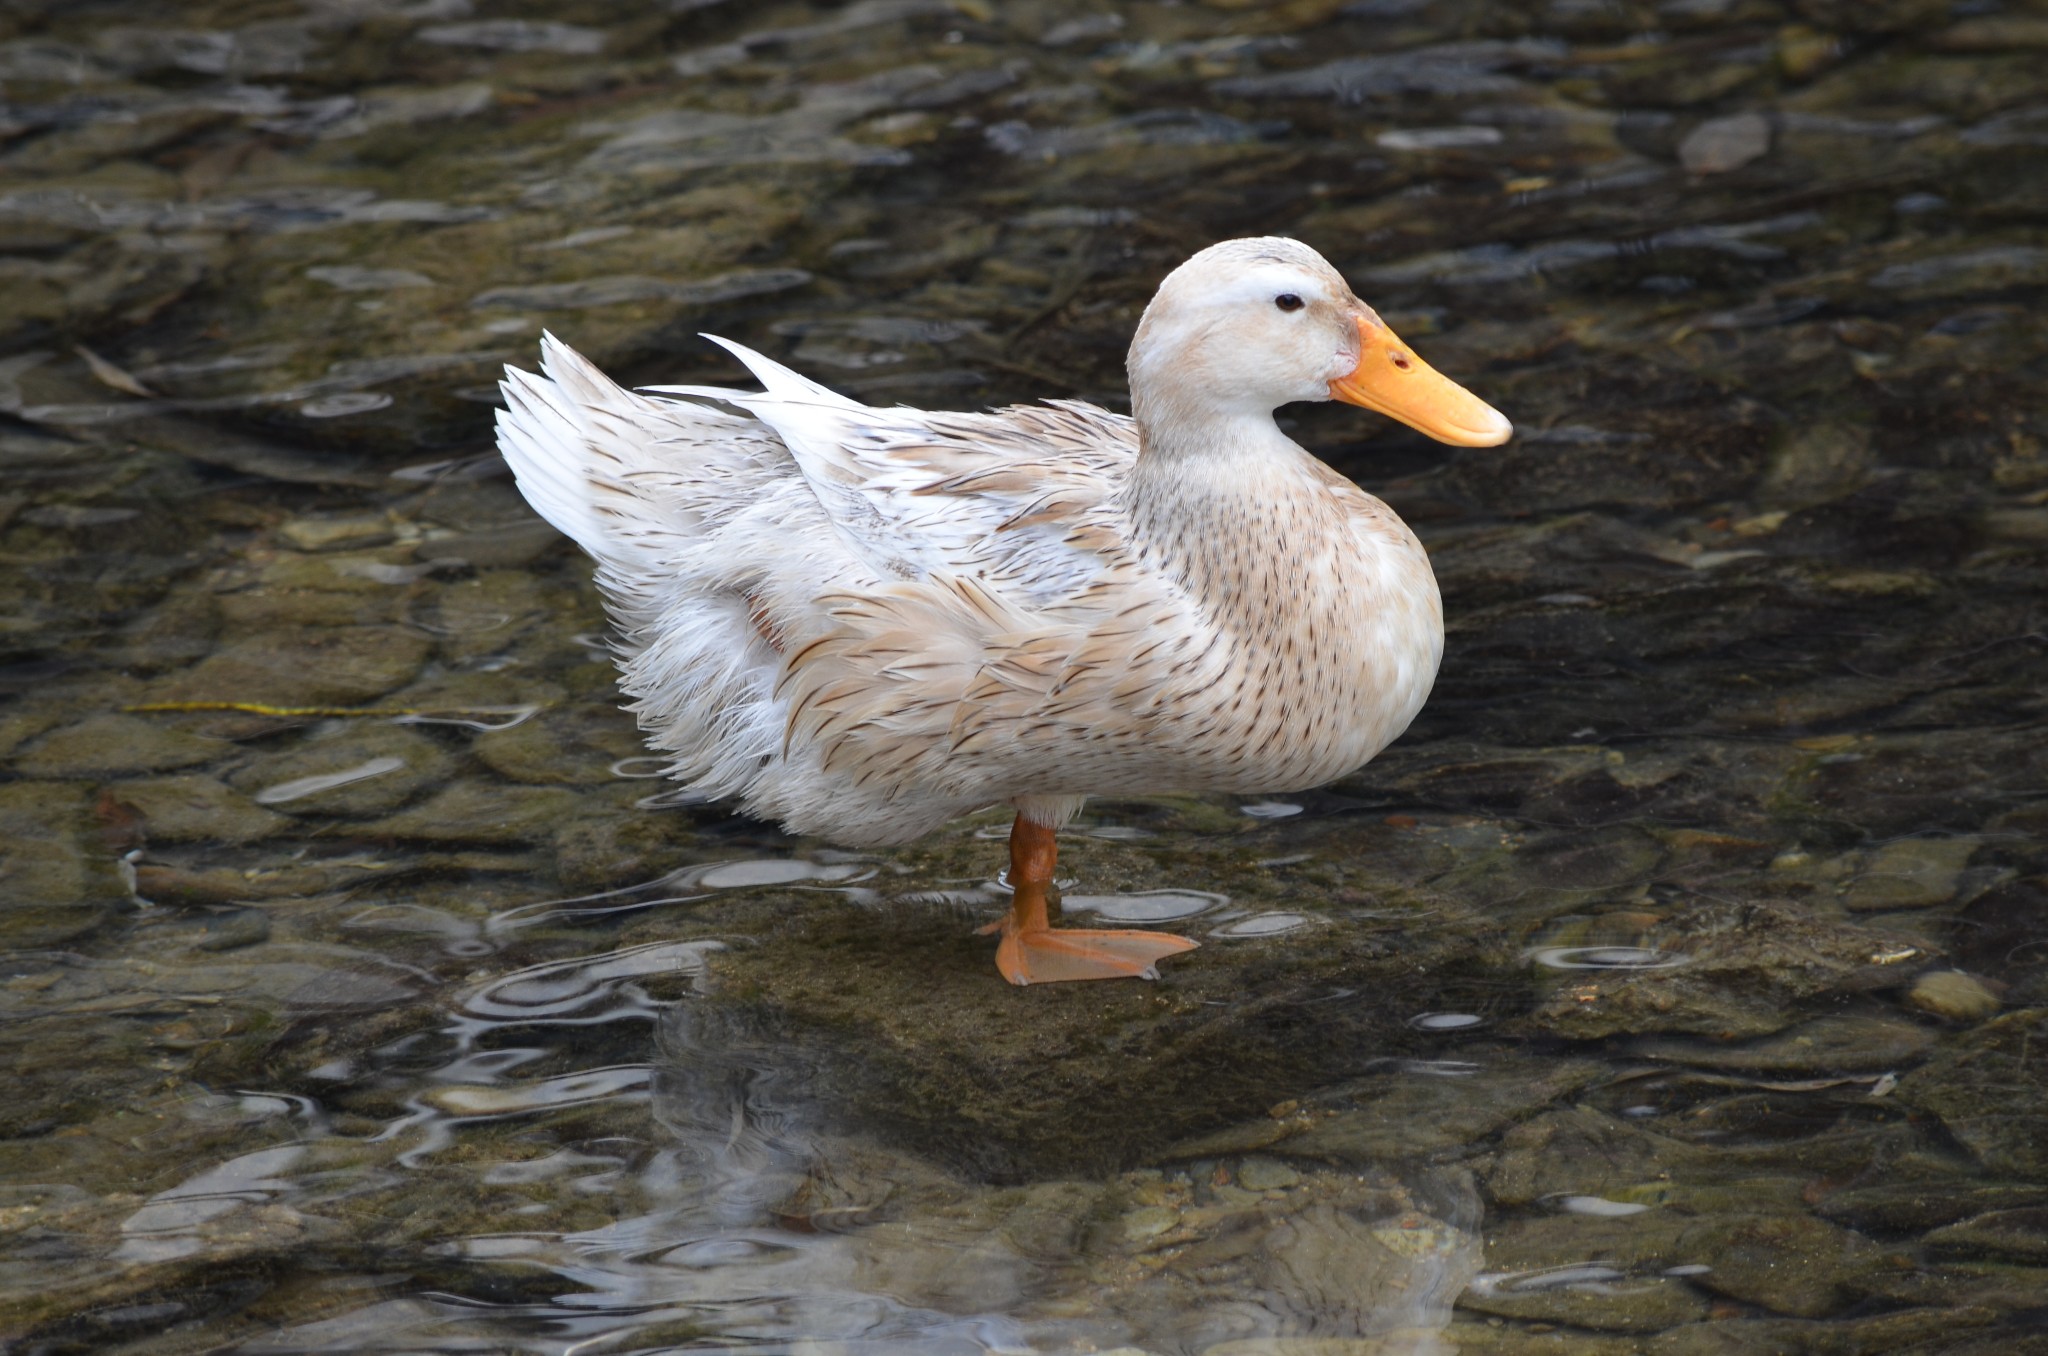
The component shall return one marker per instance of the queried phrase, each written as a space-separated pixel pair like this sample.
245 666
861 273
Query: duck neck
1215 499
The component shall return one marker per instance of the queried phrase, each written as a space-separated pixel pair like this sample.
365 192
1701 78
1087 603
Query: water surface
1677 985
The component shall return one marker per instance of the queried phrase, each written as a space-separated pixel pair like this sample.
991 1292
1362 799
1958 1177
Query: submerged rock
1912 874
1604 1300
568 745
1953 994
59 883
192 809
1726 972
1915 1206
909 1030
1790 1263
1918 1331
337 531
2019 1234
1989 1086
115 744
480 812
1419 1110
1859 1043
1723 144
359 769
316 666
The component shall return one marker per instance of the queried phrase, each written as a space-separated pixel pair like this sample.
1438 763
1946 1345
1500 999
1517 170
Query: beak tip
1487 427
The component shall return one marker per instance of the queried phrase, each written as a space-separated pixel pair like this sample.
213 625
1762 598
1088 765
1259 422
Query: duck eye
1287 301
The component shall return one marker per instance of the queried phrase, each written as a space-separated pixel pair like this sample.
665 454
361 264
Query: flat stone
196 809
1494 1338
618 845
1913 874
1384 1117
1584 1151
1989 1086
1880 1336
185 627
233 930
1994 268
340 587
339 990
1813 461
113 745
59 883
1728 972
366 768
330 531
1148 1222
24 722
1913 1207
894 1005
573 744
1634 1304
1520 1243
2020 1234
481 812
1790 1263
1722 144
1954 995
1265 1174
495 547
1858 1043
1997 1287
166 884
313 666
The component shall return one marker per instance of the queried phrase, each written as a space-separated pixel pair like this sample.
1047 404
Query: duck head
1247 326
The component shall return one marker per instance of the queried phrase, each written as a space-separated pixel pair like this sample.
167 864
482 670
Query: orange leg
1035 952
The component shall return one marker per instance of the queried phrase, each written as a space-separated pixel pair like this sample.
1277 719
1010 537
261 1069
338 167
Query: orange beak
1389 378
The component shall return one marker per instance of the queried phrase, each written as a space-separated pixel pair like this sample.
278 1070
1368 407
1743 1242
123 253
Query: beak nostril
1401 360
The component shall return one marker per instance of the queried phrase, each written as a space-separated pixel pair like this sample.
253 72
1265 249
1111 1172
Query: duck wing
1009 498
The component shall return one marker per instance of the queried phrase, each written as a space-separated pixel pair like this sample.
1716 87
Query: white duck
865 622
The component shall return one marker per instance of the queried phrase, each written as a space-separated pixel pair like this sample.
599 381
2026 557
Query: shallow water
1679 984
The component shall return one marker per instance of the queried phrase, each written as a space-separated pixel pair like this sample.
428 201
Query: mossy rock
901 1024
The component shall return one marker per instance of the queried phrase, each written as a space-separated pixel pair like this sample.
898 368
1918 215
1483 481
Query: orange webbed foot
1034 952
1062 955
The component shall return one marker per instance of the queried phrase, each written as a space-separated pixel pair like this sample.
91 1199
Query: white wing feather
919 495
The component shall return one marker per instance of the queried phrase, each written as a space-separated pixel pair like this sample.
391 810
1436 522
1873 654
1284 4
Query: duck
863 623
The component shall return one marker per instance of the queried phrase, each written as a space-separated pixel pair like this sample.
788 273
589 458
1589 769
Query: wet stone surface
1678 984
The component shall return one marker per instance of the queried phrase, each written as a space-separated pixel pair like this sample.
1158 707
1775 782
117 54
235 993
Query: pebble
196 809
1915 873
1837 1043
1723 144
481 812
1149 1221
326 532
340 763
308 666
1954 995
114 744
1266 1174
